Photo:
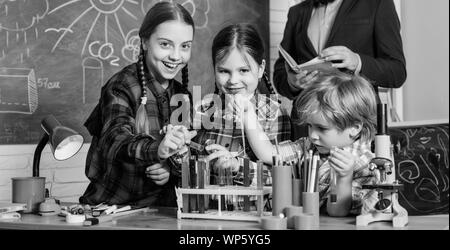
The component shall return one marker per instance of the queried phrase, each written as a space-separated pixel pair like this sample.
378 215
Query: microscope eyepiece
382 125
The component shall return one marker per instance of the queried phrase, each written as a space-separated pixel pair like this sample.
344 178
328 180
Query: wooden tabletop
158 221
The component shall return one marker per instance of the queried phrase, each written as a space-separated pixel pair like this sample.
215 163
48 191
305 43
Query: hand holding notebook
310 66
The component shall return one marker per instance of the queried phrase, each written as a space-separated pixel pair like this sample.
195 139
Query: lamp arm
37 154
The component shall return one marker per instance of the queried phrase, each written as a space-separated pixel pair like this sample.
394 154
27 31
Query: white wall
426 44
278 18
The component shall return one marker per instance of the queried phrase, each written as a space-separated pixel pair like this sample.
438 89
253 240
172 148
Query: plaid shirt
274 121
363 199
118 156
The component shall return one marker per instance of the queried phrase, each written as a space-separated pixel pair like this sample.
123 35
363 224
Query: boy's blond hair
343 100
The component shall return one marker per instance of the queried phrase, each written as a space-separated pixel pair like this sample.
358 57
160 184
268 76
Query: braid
185 76
141 74
216 89
268 84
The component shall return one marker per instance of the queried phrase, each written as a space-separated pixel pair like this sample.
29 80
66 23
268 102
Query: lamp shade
63 141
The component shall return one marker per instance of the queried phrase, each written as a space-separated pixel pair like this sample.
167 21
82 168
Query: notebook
310 66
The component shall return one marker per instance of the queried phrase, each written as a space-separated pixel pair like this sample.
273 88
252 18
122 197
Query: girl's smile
171 66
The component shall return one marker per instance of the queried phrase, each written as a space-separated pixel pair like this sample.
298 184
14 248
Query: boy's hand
342 162
158 173
175 139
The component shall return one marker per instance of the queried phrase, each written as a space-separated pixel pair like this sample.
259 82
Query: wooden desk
157 221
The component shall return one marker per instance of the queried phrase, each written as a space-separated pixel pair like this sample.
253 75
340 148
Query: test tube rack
219 214
195 183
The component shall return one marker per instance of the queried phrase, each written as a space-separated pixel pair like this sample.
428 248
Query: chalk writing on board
45 83
422 166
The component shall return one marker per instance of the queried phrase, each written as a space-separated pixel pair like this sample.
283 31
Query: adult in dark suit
364 37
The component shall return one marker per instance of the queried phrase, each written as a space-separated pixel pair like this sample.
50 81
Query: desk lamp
64 143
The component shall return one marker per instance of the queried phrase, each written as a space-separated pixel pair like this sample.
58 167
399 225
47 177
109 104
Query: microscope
387 208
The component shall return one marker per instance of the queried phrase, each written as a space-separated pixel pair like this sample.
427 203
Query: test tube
185 176
222 176
193 169
201 184
229 182
333 183
260 186
246 184
259 174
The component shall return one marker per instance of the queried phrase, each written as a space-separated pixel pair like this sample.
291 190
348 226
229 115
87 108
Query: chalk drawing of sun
106 12
199 9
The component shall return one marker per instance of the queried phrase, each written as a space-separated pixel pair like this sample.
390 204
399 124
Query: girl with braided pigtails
135 104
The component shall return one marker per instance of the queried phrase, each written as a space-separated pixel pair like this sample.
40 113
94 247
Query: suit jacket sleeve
288 43
388 68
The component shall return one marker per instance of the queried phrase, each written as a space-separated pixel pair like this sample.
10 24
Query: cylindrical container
273 223
304 222
311 205
29 190
281 188
297 192
292 211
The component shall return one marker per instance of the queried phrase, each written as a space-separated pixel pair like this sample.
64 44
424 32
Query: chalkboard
56 55
421 158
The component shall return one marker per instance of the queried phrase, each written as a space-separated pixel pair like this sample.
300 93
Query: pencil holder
281 188
297 192
304 222
28 190
291 212
311 205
